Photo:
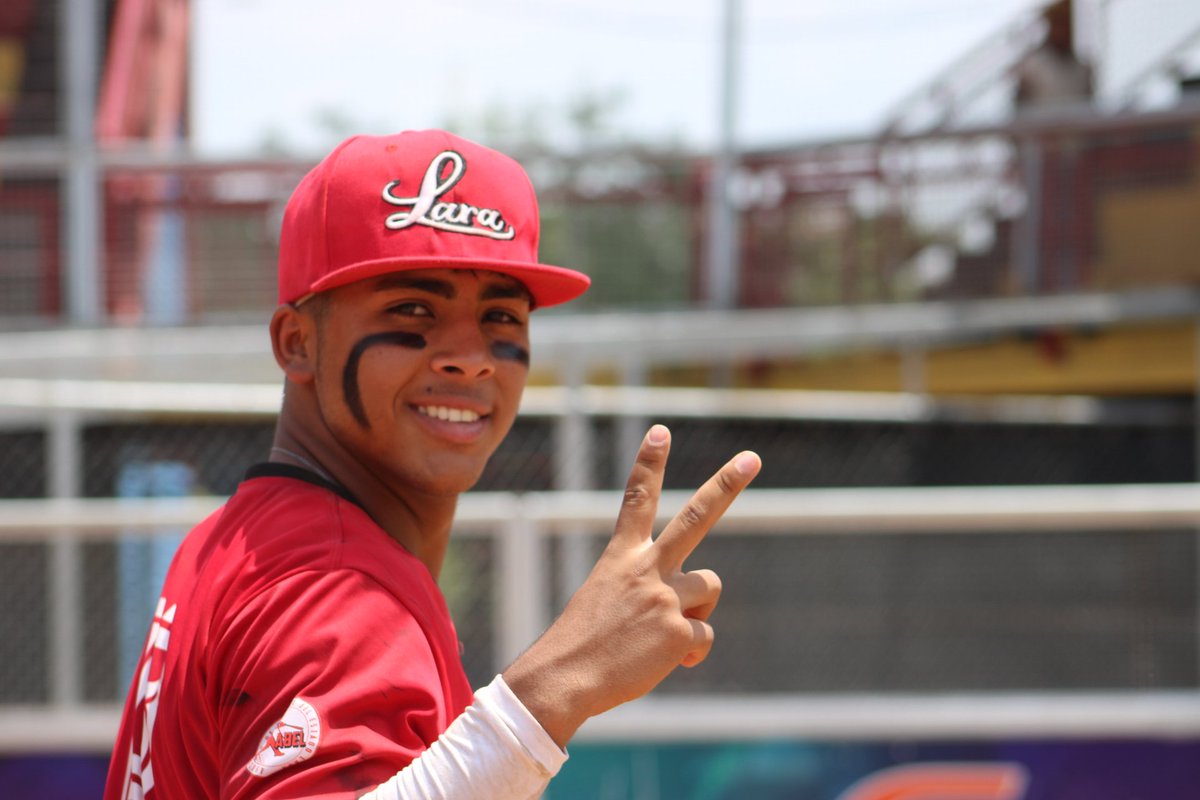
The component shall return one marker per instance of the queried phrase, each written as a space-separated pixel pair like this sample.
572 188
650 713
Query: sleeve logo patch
291 740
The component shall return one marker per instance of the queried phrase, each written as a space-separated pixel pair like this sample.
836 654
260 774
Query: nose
463 350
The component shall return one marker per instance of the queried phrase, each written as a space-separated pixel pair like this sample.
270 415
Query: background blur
935 261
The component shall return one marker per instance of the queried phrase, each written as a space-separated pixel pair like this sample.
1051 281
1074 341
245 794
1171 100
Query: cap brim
549 285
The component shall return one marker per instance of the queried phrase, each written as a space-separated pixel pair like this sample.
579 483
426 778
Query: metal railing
1025 208
519 525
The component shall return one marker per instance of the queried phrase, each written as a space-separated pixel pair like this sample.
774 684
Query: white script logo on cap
453 217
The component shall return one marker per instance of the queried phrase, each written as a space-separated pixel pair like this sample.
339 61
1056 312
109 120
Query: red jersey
297 651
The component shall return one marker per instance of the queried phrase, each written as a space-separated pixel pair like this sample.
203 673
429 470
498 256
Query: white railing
519 523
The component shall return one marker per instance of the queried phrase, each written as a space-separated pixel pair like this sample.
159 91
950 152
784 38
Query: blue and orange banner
1142 769
1145 769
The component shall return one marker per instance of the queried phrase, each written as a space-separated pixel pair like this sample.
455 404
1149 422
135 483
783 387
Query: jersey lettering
139 774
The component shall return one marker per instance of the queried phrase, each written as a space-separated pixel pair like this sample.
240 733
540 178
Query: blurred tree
613 207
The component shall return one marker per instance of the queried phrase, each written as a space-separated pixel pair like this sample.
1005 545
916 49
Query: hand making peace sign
639 614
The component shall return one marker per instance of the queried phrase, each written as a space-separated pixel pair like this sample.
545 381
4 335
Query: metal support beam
65 568
521 605
79 54
632 422
574 449
722 262
1028 232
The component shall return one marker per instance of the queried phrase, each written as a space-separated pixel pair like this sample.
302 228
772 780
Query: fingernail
657 434
746 463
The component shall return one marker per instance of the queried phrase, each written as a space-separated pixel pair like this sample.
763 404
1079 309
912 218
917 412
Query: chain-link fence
811 612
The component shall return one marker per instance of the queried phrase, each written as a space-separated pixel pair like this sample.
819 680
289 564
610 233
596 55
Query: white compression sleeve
496 750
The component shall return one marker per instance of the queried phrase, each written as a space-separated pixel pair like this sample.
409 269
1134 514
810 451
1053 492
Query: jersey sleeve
324 685
495 750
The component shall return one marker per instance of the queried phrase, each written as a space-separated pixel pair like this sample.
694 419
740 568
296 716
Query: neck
419 521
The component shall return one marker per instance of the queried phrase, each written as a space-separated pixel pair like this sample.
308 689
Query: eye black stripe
508 351
413 341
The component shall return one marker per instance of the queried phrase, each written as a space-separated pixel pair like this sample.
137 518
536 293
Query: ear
294 342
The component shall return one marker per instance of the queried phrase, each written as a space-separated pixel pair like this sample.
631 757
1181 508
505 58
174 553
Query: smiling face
419 374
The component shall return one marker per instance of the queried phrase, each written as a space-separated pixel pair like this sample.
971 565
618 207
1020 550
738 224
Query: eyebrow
505 291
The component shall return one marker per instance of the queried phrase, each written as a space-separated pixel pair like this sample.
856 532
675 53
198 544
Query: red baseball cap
415 200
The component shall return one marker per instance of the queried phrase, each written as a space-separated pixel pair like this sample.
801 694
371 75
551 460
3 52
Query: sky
302 73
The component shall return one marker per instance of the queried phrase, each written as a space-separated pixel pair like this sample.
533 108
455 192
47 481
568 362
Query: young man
301 647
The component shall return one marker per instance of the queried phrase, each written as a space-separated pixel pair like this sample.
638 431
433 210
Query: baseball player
301 647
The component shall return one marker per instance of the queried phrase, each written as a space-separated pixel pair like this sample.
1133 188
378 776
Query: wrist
551 695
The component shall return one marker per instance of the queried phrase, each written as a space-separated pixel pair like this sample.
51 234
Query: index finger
701 512
635 522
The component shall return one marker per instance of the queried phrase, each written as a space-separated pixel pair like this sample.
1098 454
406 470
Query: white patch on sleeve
291 740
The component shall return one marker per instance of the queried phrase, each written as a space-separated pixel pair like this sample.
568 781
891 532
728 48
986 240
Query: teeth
449 414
